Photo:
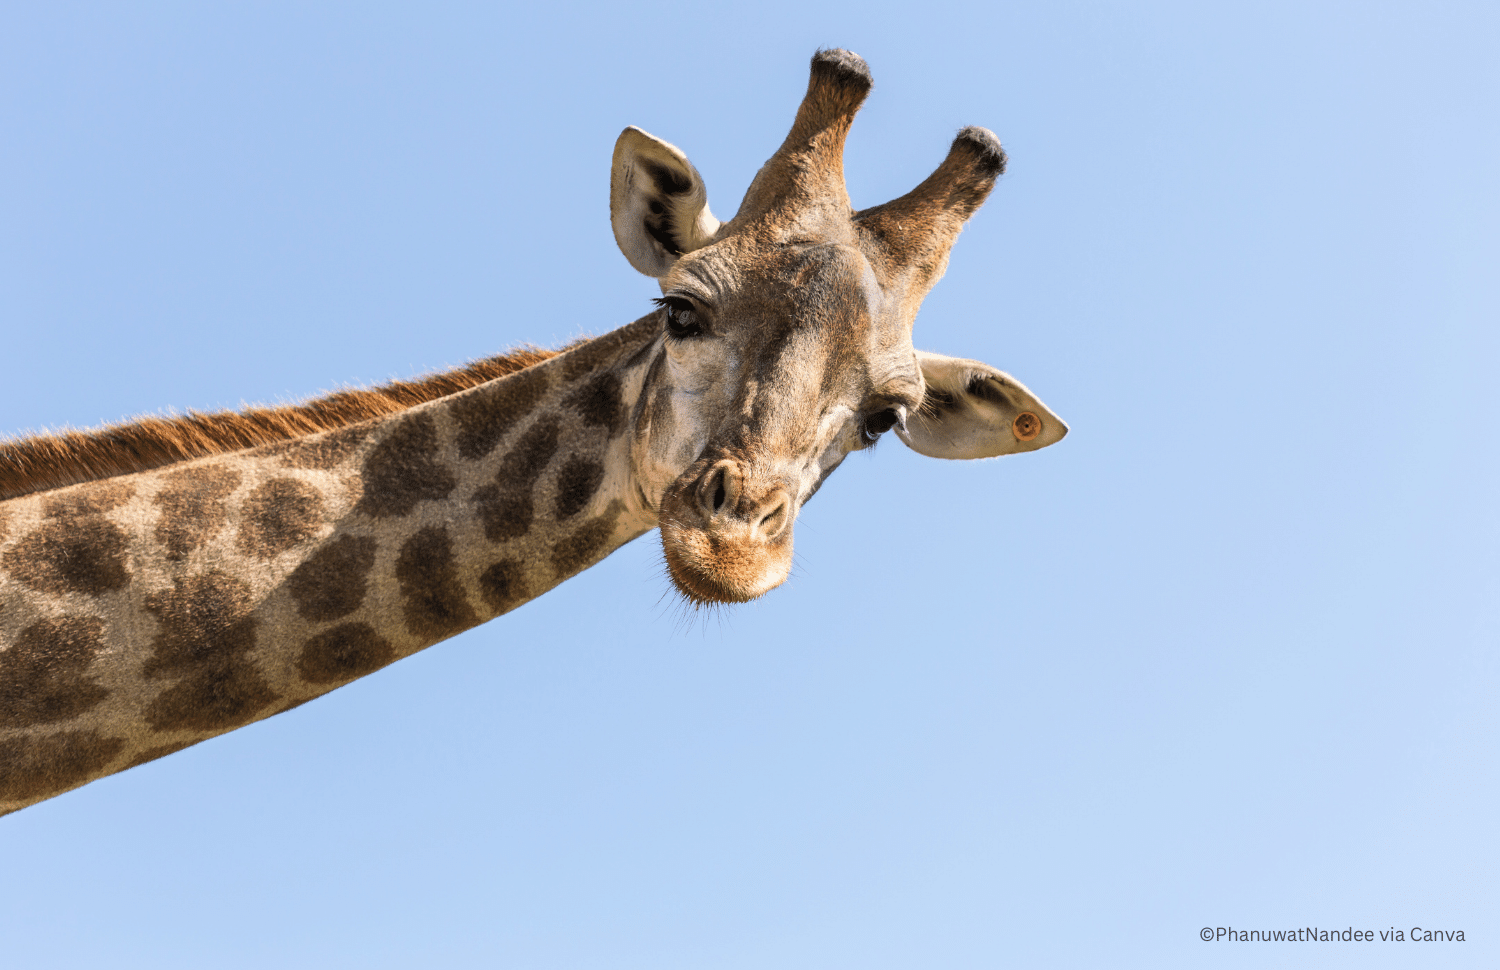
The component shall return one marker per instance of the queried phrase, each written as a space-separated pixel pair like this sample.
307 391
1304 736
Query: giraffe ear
972 410
657 203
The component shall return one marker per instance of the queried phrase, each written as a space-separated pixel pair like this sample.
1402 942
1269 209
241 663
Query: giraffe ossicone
173 579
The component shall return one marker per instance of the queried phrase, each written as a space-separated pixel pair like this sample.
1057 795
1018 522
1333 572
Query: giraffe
170 580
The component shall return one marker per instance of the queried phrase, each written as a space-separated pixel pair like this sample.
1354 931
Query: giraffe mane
54 459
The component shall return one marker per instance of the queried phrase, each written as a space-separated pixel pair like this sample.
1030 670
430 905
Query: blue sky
1225 656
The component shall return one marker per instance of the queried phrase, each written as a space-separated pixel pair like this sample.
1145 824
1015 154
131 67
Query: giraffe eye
879 423
682 317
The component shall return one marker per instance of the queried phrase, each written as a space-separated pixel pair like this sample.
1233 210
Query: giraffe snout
727 534
725 501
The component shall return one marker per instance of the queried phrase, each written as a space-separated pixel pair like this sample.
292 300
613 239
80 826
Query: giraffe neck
145 613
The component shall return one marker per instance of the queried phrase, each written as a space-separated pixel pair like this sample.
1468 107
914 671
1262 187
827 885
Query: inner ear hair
986 388
936 399
661 219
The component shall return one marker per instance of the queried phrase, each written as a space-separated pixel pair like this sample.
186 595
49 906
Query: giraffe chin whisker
718 565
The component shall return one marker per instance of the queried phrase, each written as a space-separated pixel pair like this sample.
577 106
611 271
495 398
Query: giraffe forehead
842 330
757 297
778 259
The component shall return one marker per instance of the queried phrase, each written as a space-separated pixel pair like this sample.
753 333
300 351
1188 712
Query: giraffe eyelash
684 320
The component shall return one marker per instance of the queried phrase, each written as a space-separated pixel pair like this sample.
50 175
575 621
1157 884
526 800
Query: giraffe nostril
770 524
718 490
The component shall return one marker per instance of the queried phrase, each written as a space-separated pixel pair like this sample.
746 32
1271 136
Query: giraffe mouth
710 565
725 539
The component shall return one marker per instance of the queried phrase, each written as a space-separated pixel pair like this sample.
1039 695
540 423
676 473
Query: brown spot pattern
278 515
323 451
584 547
577 481
331 582
344 653
44 675
503 586
435 603
485 415
506 507
599 402
587 356
205 638
84 555
78 550
33 768
403 470
193 507
94 499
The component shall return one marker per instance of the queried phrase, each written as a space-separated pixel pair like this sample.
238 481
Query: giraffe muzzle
727 535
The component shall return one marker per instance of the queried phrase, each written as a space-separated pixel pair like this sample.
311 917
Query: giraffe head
786 337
